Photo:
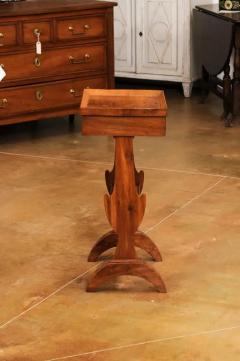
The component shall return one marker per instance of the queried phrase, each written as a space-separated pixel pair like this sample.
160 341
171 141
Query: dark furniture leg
71 118
236 73
204 85
227 96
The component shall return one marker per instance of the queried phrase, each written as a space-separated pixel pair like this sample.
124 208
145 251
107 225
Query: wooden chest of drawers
77 52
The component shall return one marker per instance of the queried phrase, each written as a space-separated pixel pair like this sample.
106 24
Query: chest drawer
8 35
31 29
54 63
43 96
81 27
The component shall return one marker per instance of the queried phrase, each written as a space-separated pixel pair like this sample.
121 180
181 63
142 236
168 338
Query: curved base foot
107 241
110 240
142 241
112 269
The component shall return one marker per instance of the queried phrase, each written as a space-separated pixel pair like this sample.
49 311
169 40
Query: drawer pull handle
85 59
1 36
37 61
86 27
37 32
74 93
39 95
3 103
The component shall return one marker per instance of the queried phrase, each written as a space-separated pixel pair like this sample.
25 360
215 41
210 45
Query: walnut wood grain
55 63
81 27
124 126
112 269
52 6
8 34
43 27
86 51
127 113
65 93
110 240
124 103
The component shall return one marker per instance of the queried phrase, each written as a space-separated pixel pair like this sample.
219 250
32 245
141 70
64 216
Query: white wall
203 2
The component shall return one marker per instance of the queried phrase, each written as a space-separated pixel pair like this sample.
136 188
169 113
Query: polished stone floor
51 189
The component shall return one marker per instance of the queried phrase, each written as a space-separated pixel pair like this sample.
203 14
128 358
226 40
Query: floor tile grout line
4 324
54 158
190 201
143 343
109 163
81 275
191 172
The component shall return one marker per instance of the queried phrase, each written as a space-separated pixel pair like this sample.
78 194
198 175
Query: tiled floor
51 189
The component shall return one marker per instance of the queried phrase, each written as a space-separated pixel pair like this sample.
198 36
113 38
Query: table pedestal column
125 206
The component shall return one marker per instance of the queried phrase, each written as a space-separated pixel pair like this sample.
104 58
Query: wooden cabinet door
125 36
160 39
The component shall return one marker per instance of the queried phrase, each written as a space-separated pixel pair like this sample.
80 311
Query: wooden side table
216 35
124 114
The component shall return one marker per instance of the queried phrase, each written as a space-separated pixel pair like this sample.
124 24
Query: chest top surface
30 7
213 10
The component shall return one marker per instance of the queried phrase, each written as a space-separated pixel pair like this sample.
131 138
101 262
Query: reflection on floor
51 214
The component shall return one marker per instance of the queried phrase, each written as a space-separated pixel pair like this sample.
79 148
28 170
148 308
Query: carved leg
227 97
236 73
110 240
112 269
124 206
204 85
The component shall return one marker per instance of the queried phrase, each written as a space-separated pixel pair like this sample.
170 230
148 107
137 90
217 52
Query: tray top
129 103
